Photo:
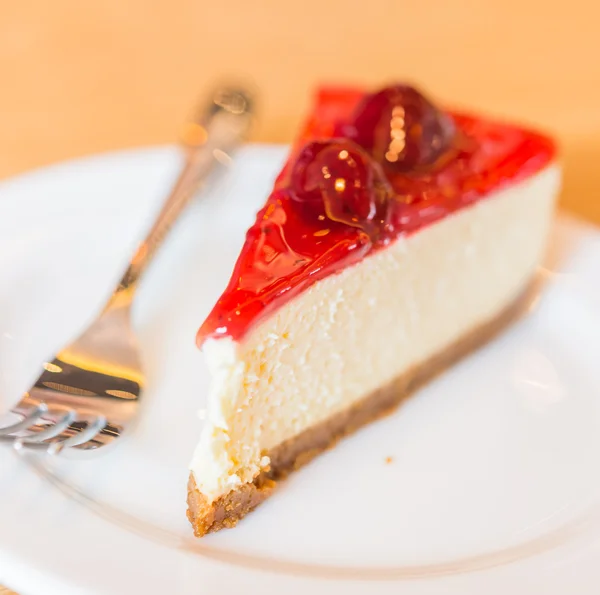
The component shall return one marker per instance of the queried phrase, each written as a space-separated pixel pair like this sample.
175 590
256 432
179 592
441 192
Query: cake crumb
389 460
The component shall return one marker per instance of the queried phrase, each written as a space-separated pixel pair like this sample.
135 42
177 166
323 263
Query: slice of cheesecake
398 238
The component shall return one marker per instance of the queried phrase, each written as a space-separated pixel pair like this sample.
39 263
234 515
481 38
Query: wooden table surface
82 77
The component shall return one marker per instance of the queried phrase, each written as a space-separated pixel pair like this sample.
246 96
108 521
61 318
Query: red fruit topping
338 179
334 203
401 128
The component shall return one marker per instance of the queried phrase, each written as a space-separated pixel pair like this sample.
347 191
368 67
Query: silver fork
88 394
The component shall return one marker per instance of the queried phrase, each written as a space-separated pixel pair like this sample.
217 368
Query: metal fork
89 393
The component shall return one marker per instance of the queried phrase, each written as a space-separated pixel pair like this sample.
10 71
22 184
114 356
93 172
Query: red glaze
313 226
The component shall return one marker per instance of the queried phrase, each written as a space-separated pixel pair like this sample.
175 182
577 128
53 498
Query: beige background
82 76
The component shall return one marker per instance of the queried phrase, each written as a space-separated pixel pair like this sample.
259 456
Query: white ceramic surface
493 485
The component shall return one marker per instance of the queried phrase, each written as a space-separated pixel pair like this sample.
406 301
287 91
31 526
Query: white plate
493 484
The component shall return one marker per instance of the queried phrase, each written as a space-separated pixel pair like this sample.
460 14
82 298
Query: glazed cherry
401 128
339 180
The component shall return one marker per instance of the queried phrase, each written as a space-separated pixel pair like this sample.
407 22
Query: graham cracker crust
226 511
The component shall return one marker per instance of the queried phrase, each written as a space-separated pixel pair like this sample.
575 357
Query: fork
88 394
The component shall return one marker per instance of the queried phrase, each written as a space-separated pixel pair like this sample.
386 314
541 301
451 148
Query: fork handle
213 132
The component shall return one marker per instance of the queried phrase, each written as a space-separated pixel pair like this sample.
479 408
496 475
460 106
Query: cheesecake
398 237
